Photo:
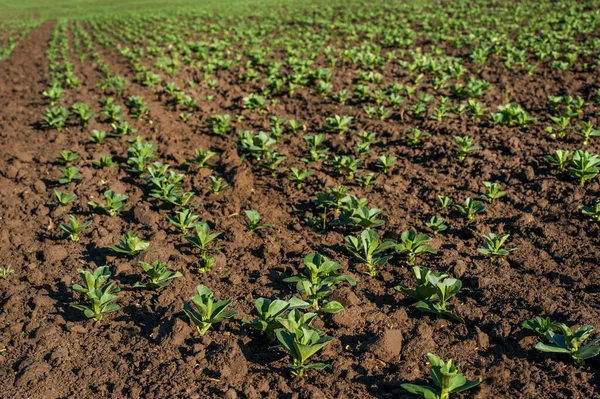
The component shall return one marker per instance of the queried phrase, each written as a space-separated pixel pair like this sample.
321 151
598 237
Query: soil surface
148 348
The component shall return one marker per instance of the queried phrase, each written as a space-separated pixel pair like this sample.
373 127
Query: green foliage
447 379
338 124
105 161
584 166
98 137
493 246
464 147
74 228
98 291
444 201
320 277
494 191
157 276
593 210
217 185
70 175
130 245
184 220
299 176
271 313
541 326
470 209
63 199
436 224
367 249
56 118
67 157
113 203
201 157
83 113
413 244
560 159
202 240
385 162
252 221
5 272
567 342
220 124
301 345
203 311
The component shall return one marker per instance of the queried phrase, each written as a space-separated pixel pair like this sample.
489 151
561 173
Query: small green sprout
63 199
130 245
67 157
592 210
494 191
464 147
299 176
584 166
571 343
217 185
271 311
367 249
560 159
158 277
184 220
100 295
447 379
203 312
338 124
385 162
74 228
201 239
98 137
493 246
588 132
415 137
105 161
5 272
444 201
70 175
114 203
413 244
252 221
436 224
201 157
540 326
470 209
301 345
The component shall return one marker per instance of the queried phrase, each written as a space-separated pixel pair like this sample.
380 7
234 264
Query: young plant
271 311
464 147
217 185
201 157
338 124
203 312
98 291
320 277
592 210
446 377
368 250
67 157
587 132
560 159
415 137
220 124
114 203
541 326
105 161
55 118
470 209
413 244
70 175
444 201
493 246
301 344
201 240
74 228
130 245
252 221
98 137
184 220
63 199
494 191
83 113
584 166
385 162
157 275
436 224
5 272
299 176
571 343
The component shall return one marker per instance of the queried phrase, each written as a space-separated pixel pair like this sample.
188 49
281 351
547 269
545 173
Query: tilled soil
148 348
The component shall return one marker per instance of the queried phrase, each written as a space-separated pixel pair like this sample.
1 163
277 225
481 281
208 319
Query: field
299 199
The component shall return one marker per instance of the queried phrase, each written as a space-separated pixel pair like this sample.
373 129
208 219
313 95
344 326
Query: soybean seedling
494 191
70 175
201 157
184 220
436 224
203 311
74 228
98 291
464 147
446 377
252 221
584 166
63 199
299 176
105 161
5 272
67 157
385 162
301 345
201 239
565 341
413 244
114 203
560 159
367 249
98 137
541 326
157 276
470 209
592 210
217 185
130 245
444 201
270 312
493 246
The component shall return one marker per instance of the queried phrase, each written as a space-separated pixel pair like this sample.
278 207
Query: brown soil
148 349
